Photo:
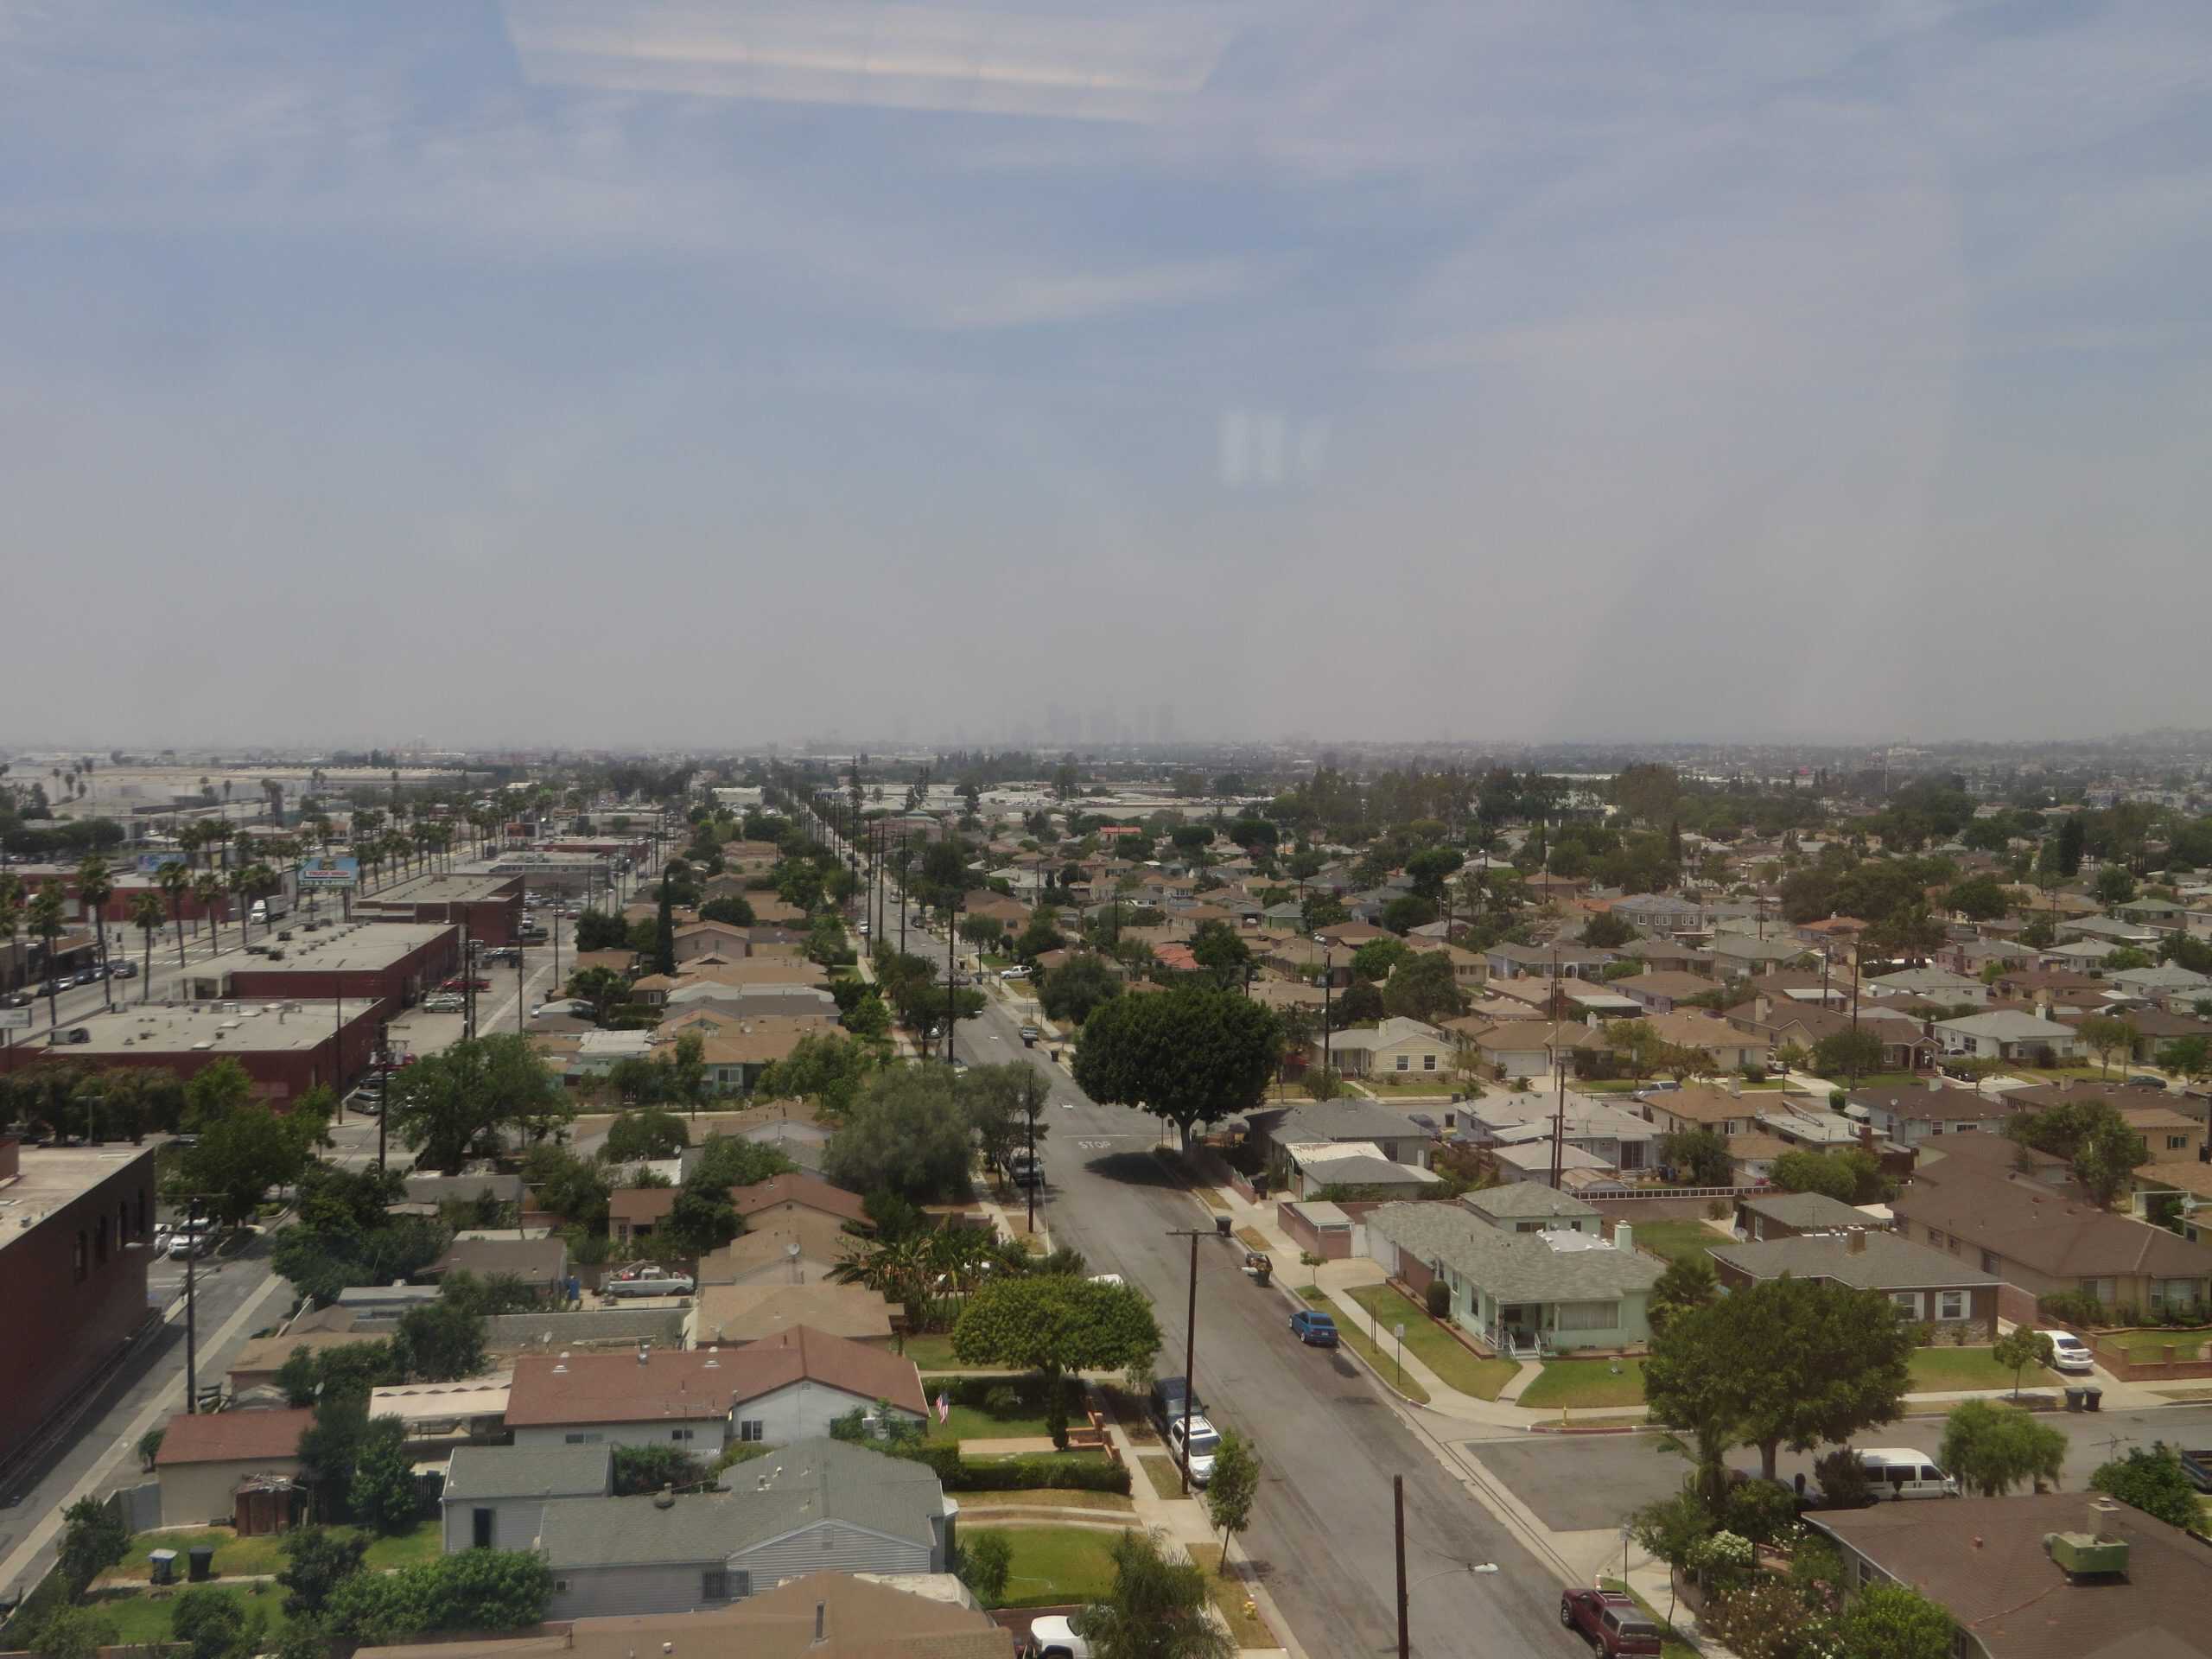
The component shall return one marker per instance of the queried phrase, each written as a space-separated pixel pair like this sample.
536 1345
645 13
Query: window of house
2100 1289
1951 1305
1934 1234
714 1585
560 1587
680 1434
1907 1302
581 1437
2177 1142
1428 1062
1405 1062
1586 1316
1988 1262
753 1429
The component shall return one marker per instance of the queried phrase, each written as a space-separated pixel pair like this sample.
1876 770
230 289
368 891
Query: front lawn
1676 1239
1587 1383
1054 1565
2148 1345
931 1350
1026 1418
1384 1360
142 1620
1453 1361
1166 1479
1952 1370
1046 1497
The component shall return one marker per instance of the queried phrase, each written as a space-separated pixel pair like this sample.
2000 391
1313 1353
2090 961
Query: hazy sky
609 371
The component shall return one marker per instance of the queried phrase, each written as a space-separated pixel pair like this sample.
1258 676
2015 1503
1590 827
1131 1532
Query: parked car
126 970
1610 1621
2068 1352
532 936
368 1099
466 982
1168 1396
443 1002
1205 1441
1054 1637
184 1245
16 1000
1029 1036
1313 1327
68 1034
86 976
2144 1080
1899 1472
1014 973
649 1280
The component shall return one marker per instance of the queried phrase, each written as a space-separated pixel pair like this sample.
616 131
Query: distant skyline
624 373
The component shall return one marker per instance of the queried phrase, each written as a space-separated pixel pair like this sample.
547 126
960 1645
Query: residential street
1321 1533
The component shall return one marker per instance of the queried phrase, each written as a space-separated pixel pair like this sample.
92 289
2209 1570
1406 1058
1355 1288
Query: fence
2182 1360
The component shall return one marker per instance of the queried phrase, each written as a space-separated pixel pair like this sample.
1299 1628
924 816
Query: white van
1898 1471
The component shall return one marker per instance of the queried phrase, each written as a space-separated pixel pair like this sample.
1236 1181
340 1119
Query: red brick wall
61 1328
419 970
279 1077
1332 1246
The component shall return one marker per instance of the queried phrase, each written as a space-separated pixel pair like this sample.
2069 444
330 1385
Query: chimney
1762 1007
1866 1137
1855 1242
1623 1238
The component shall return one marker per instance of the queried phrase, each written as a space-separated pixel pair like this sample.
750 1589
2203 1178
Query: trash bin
2074 1398
1221 1225
162 1565
2093 1398
203 1563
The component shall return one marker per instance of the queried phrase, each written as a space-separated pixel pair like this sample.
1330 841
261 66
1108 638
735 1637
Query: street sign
334 870
16 1019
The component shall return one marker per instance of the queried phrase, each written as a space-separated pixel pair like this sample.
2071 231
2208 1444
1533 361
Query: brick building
489 907
391 964
76 1228
287 1048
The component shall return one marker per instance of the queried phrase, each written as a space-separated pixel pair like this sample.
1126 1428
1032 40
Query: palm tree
208 888
242 883
189 840
11 916
147 914
897 1270
94 887
261 881
45 916
174 881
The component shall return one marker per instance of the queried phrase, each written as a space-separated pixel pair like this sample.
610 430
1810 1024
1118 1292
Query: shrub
1004 1401
2071 1307
1021 1474
1722 1561
2127 1315
1716 1210
1439 1298
1761 1511
1842 1477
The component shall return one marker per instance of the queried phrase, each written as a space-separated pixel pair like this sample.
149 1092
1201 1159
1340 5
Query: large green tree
1992 1447
2102 1147
907 1134
1425 988
244 1152
461 1103
1156 1608
1189 1055
1053 1323
1071 990
1791 1362
2154 1481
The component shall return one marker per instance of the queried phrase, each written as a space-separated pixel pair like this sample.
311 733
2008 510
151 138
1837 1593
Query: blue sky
605 370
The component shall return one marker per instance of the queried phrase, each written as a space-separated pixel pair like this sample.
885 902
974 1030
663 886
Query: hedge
1023 1474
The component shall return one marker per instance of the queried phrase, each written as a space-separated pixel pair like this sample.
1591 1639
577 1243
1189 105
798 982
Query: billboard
333 870
151 863
15 1019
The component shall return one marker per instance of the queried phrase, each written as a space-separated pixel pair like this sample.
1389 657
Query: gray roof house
1925 1284
1786 1215
1736 952
1532 1207
1342 1120
1936 984
1522 1294
811 1506
2007 1034
494 1493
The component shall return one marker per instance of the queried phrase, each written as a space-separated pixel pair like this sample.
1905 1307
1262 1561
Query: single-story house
2045 1240
814 1504
1768 1216
1742 953
779 1389
1397 1135
766 1202
542 1264
1314 1165
1935 984
1659 990
1752 1155
1521 1048
1731 1047
262 1358
735 1314
1928 1286
2009 1034
1724 1108
230 1468
2012 1592
1394 1047
1619 1138
794 1249
494 1494
1921 1112
1521 1293
1530 1207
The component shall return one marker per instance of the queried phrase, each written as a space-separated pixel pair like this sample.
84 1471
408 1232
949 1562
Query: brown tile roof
232 1436
1695 1028
1927 1105
699 1383
1984 1560
810 1190
1664 982
746 1313
2045 1229
641 1203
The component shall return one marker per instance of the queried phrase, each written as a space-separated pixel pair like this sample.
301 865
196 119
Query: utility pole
1190 1345
1398 1508
952 990
1328 1001
191 1304
1559 1078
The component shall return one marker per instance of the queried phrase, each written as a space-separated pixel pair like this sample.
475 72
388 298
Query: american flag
943 1407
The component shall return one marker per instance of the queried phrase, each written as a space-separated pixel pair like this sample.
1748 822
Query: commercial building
287 1048
390 963
488 907
76 1236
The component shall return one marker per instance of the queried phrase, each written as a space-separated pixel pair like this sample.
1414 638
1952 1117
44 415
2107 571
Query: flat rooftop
458 887
50 1177
252 1025
361 946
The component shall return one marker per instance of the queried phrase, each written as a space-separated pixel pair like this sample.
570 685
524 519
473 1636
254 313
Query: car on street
466 982
184 1245
86 976
1029 1036
1610 1621
532 936
2068 1352
1169 1396
1313 1327
129 970
2143 1080
443 1002
1205 1441
1053 1637
367 1099
16 1000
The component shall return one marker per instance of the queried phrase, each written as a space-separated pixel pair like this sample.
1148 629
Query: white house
789 1387
2008 1034
494 1494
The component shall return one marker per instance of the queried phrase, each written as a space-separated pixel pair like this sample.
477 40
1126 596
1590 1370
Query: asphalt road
1321 1536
